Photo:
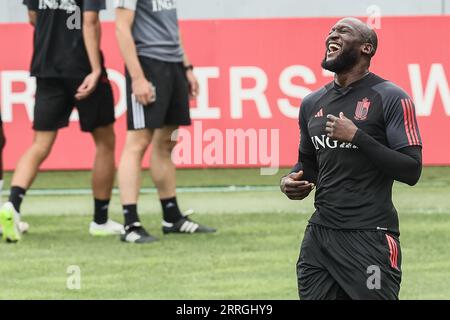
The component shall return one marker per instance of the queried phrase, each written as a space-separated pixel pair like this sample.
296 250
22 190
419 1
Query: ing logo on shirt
162 5
67 5
325 142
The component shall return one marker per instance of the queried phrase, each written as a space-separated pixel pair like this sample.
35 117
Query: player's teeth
333 47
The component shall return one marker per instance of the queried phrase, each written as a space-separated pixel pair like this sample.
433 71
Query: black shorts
55 101
339 264
172 97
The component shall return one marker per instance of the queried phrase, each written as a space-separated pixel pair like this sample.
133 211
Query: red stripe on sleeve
413 122
410 121
405 120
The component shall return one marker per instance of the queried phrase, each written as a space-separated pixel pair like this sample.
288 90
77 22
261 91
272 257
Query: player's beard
343 62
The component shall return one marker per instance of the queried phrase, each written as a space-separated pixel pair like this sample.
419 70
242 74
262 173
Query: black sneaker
135 233
185 225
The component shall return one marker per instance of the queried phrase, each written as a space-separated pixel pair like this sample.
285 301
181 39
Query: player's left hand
341 129
193 83
88 86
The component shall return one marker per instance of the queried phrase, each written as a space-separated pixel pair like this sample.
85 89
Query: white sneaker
109 228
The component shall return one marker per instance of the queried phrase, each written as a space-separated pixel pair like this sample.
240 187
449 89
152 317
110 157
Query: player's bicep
306 146
90 18
124 19
402 129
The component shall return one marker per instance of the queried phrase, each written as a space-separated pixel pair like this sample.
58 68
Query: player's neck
344 79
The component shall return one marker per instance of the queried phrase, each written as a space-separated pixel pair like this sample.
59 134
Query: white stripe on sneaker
167 224
192 227
132 237
185 226
189 227
195 227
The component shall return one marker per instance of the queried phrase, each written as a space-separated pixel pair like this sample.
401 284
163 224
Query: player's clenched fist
144 91
294 187
341 129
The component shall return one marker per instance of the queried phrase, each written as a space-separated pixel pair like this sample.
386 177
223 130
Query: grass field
251 257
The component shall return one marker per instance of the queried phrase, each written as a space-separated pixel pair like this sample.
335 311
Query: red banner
253 76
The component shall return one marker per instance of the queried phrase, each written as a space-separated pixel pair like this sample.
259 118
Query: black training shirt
352 193
59 50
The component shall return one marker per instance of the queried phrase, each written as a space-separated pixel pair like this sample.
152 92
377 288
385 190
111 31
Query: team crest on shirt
362 109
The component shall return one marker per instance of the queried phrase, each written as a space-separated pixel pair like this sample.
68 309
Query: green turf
251 257
185 178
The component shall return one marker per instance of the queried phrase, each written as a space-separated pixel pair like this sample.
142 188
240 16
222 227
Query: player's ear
367 48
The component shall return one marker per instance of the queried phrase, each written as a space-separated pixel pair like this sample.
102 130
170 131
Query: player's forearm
297 167
92 36
129 51
308 164
404 165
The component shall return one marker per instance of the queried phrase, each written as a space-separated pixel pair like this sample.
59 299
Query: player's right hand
144 91
88 86
295 188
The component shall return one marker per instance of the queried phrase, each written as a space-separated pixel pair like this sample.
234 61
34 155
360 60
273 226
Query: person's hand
193 83
144 91
341 129
295 188
88 85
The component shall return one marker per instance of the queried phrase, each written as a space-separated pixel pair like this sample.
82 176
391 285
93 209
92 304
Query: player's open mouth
333 48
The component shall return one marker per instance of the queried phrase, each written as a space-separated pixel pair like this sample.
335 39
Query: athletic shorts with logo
55 100
171 107
353 264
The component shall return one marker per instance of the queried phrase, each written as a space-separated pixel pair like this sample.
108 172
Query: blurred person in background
159 79
69 70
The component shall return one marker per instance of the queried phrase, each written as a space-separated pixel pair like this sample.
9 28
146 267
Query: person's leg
129 174
163 168
366 264
51 112
137 142
96 114
23 226
28 165
163 173
23 177
103 171
313 279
